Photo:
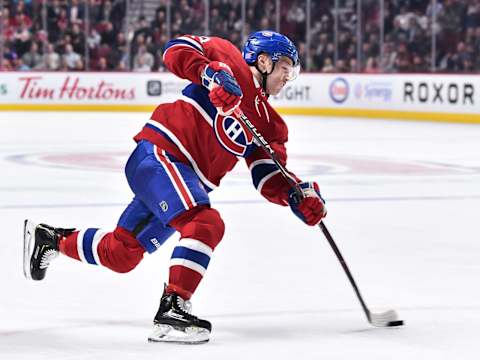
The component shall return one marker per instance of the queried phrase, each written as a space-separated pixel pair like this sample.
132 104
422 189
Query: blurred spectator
387 62
10 55
450 20
95 11
353 65
328 65
71 59
418 64
462 59
371 66
78 39
398 33
142 29
53 13
472 18
21 39
76 12
447 63
107 34
105 11
143 60
341 66
6 65
141 65
32 58
51 59
117 58
21 66
94 39
102 65
407 24
403 19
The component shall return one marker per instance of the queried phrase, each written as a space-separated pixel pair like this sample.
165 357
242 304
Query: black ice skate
40 248
174 323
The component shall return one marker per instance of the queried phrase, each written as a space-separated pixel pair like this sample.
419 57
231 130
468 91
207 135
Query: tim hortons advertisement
71 88
88 88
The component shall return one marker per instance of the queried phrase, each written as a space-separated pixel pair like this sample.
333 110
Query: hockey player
182 153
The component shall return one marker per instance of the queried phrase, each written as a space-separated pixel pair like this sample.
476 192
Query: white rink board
408 92
449 97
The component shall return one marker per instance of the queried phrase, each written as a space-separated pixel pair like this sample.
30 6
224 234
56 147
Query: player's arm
186 57
269 181
195 58
265 175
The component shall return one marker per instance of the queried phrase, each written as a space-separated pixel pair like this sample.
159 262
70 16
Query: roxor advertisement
397 96
439 93
386 92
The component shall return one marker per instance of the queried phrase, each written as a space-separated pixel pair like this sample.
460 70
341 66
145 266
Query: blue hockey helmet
272 43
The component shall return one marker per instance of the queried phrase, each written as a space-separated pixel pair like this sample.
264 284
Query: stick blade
385 319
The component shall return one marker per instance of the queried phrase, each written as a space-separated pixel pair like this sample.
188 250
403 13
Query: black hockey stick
385 319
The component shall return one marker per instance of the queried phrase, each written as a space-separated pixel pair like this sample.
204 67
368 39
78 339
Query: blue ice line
258 201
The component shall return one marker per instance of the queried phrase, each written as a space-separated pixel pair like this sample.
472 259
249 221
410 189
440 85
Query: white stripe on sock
96 240
188 264
196 245
81 254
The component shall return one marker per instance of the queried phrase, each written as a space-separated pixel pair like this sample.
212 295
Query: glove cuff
208 77
211 70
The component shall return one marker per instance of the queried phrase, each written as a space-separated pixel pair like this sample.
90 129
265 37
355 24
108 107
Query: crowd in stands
63 35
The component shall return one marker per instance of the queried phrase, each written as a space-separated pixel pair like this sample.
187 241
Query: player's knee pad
120 251
201 223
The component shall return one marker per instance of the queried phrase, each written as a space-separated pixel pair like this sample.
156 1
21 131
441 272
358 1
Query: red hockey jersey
192 130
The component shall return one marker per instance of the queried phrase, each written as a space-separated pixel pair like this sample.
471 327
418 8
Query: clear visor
285 64
294 72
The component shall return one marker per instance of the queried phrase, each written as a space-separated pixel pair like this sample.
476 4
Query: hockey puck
396 323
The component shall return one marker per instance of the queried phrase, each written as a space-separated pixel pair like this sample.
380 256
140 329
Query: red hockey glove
311 208
225 93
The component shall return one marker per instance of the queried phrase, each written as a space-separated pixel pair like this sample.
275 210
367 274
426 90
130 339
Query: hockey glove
225 93
311 207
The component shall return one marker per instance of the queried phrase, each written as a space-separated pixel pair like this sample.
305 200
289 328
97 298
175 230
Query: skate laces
47 258
184 305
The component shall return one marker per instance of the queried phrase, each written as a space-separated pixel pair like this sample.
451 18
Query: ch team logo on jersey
233 135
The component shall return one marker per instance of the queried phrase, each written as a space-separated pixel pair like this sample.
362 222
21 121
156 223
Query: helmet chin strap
264 76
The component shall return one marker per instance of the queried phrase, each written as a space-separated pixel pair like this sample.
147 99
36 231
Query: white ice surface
403 201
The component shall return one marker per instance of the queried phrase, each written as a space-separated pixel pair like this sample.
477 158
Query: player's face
281 74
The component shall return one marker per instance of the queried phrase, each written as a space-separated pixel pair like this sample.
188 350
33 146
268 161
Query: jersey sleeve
266 177
187 56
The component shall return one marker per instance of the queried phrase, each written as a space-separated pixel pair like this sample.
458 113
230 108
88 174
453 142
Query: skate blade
28 245
168 334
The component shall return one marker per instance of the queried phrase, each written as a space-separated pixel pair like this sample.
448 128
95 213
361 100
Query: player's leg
174 193
201 230
138 230
120 250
